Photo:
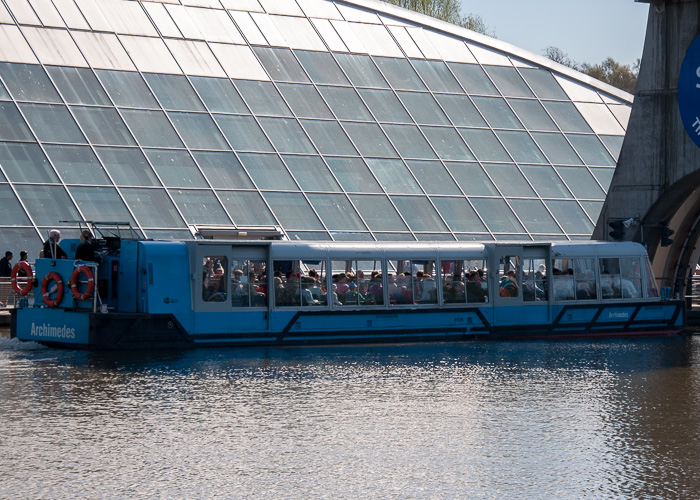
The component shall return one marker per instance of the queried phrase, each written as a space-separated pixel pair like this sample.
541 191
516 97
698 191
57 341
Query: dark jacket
60 254
86 252
5 268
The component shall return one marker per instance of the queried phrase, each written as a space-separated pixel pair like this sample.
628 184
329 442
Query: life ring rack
52 276
24 266
82 269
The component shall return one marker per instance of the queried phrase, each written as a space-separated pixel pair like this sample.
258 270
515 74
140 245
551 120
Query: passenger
508 286
563 284
429 295
342 285
307 298
475 293
51 248
22 258
352 296
375 292
86 249
6 273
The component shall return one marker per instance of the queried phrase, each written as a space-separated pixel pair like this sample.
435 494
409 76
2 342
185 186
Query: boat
147 294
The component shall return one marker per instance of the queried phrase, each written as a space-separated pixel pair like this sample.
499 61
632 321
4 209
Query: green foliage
446 10
609 71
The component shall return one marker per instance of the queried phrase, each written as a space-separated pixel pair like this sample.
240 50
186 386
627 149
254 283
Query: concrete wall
658 172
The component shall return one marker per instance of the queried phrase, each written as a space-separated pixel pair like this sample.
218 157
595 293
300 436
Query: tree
609 71
446 10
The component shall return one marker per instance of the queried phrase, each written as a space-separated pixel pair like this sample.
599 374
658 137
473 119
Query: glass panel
153 207
433 177
103 126
174 92
473 79
25 163
394 176
543 83
247 208
268 171
214 277
545 181
336 212
447 142
127 89
458 214
570 216
604 176
399 73
151 128
423 108
199 206
305 100
28 82
613 143
12 125
385 106
461 110
532 114
497 112
345 103
3 92
329 137
592 208
436 76
244 133
11 212
128 167
311 173
521 146
497 215
198 130
581 182
557 149
262 98
353 175
567 116
47 204
77 165
508 81
409 140
484 145
281 64
370 139
223 170
78 86
219 95
419 213
394 237
378 213
52 123
293 211
472 179
509 179
535 216
176 168
287 135
591 150
361 70
248 283
321 67
101 203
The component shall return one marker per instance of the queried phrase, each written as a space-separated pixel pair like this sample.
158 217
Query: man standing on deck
51 248
5 273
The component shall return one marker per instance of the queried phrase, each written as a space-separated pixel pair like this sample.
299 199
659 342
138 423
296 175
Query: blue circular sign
689 91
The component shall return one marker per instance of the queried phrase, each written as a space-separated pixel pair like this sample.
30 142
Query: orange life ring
74 283
24 266
53 276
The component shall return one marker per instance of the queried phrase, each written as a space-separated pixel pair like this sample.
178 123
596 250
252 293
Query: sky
588 31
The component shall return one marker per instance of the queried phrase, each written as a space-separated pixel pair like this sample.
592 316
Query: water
531 420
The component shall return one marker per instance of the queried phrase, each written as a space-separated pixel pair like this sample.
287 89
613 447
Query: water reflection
604 419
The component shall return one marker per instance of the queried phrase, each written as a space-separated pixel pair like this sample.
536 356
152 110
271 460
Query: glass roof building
333 120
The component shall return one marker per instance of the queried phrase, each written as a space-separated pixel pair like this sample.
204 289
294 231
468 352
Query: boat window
353 282
510 267
400 282
630 277
610 287
248 283
534 280
299 283
464 281
650 284
214 272
563 279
